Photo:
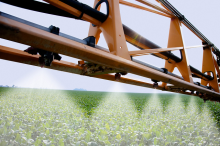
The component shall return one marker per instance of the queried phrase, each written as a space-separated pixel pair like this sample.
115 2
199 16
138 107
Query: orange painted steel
143 8
208 65
97 30
37 38
216 67
112 30
176 40
15 55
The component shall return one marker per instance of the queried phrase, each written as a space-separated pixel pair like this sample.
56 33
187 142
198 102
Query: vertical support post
112 30
208 65
176 40
216 66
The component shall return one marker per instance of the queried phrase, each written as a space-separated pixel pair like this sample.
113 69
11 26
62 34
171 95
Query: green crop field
51 117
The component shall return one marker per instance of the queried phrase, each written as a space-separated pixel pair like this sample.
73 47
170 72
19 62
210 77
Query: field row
47 117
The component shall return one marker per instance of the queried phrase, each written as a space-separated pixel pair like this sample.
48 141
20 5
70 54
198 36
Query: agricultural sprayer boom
46 45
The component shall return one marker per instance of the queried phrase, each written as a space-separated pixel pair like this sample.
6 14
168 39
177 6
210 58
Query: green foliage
29 135
61 143
107 126
50 117
88 136
118 136
47 132
18 137
185 100
155 141
87 101
215 110
139 100
165 100
37 142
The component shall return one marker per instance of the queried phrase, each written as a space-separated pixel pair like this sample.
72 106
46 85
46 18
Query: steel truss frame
117 58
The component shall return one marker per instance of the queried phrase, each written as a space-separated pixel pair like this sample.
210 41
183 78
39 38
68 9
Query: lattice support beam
25 34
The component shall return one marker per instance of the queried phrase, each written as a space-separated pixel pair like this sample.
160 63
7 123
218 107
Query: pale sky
203 14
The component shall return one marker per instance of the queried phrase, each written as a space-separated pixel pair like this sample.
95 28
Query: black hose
86 9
